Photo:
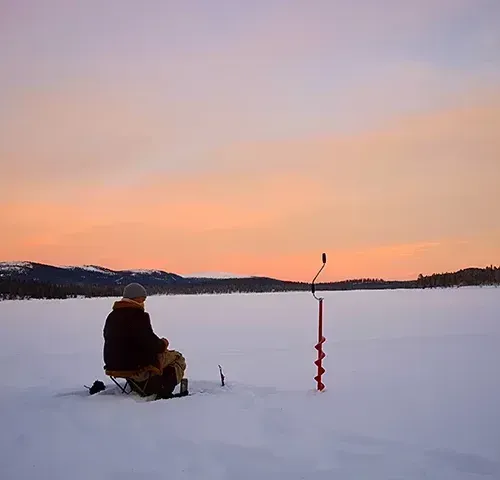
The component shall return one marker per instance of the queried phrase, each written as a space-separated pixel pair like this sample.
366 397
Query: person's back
131 345
129 340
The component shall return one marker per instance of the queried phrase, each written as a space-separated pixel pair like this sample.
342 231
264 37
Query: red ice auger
321 338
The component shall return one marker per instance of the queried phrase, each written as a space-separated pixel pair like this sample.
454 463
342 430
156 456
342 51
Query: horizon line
243 276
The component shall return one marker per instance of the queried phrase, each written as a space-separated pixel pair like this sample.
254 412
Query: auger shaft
321 339
319 348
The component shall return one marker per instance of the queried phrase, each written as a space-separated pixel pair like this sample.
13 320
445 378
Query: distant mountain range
20 280
96 275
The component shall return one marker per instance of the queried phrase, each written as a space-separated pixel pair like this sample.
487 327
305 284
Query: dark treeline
12 288
365 284
466 277
15 288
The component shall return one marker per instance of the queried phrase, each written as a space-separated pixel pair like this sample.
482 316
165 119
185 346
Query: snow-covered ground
413 390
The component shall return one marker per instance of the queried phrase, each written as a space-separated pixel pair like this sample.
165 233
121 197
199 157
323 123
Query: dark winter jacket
129 340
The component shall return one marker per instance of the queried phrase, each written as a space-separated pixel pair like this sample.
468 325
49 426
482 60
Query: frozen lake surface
413 390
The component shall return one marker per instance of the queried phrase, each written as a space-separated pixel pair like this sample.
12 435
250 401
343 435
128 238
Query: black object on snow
97 386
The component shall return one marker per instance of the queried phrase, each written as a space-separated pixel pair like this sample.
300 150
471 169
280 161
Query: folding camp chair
132 384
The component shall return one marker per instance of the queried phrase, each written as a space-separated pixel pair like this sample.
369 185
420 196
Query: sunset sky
250 137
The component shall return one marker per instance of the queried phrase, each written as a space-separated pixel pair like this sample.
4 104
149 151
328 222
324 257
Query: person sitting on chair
131 346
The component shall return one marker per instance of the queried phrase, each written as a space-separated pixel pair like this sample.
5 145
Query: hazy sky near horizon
249 137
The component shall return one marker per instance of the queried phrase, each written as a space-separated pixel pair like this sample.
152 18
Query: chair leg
131 383
141 390
123 389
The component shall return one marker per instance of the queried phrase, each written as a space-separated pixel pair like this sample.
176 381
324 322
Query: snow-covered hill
7 268
411 376
85 274
95 274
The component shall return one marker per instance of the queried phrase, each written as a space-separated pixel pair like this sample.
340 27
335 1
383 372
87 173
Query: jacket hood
127 303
